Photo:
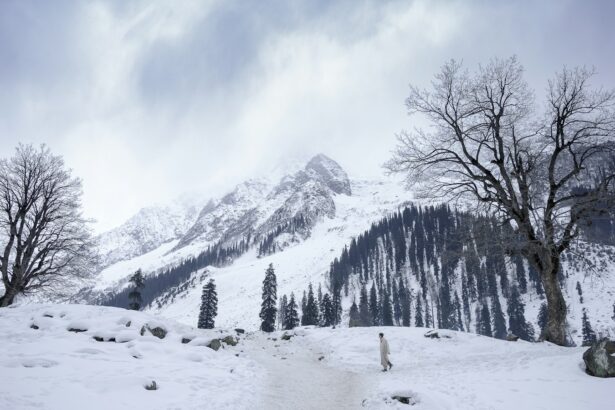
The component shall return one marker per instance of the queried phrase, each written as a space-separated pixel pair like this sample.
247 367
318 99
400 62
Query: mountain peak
331 173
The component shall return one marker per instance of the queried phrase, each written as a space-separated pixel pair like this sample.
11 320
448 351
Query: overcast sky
147 100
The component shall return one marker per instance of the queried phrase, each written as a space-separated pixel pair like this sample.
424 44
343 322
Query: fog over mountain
147 100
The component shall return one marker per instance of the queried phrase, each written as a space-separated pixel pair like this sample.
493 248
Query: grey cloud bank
147 100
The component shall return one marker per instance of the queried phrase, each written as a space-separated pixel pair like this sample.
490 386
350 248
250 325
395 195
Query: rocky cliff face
256 207
146 230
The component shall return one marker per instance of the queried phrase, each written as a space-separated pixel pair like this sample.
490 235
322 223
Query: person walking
384 354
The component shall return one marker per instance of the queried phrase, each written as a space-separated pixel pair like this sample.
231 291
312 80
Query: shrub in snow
151 386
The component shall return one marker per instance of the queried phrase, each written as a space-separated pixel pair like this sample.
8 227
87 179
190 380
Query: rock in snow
600 358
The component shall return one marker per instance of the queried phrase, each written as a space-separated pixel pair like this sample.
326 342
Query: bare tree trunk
555 330
8 298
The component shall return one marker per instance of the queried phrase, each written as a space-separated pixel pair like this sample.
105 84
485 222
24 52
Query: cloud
147 100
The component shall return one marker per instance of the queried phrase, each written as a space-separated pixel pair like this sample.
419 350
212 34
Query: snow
323 368
464 372
53 368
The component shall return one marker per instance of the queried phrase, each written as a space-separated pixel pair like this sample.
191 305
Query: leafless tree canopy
540 172
44 240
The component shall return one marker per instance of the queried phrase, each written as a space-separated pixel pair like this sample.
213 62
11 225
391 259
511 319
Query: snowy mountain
284 212
304 221
62 356
147 230
255 207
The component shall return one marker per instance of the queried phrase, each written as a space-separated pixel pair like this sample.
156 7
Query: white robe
384 352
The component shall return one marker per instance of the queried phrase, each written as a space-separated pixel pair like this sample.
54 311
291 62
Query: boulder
33 326
215 344
600 359
186 340
286 336
76 330
432 334
230 340
240 331
512 338
405 398
157 331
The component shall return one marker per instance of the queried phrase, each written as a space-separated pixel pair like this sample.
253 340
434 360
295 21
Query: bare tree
542 174
44 239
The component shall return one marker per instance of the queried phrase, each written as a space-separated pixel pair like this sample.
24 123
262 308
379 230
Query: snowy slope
321 192
239 285
53 368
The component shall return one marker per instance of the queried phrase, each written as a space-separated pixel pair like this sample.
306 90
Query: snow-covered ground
54 368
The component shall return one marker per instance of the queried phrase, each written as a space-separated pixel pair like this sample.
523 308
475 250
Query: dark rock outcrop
600 359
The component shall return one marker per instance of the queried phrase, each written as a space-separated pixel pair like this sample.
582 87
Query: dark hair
381 334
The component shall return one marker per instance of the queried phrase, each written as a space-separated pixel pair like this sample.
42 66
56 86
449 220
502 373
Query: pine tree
516 317
310 314
303 302
428 314
418 315
282 310
355 316
542 317
397 316
327 315
483 320
465 297
269 305
457 309
613 311
580 292
336 305
138 282
589 336
364 312
499 322
209 306
291 319
386 309
404 300
373 306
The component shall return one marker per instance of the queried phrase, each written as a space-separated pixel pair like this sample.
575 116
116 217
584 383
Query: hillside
309 219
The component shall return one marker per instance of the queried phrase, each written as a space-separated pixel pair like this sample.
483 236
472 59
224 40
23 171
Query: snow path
297 379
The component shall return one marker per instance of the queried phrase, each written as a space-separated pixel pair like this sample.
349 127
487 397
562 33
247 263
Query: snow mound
62 356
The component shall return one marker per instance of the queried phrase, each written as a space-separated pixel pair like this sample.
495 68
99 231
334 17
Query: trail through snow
297 379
